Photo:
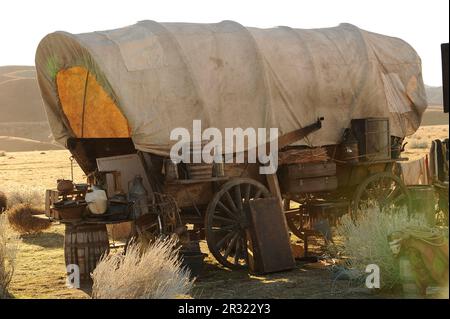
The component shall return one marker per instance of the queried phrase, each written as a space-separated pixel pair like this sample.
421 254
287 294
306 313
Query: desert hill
20 99
434 95
23 122
18 144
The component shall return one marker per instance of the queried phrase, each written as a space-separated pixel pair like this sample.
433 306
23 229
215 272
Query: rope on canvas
84 103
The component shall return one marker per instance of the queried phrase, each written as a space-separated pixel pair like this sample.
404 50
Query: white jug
97 201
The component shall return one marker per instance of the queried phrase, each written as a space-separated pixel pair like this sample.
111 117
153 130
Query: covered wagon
115 97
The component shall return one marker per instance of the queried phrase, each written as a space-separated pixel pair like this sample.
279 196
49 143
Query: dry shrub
8 249
365 241
28 196
151 273
3 202
2 153
21 218
417 144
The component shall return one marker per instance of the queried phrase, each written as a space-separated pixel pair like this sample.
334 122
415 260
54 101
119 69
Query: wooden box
310 185
374 140
269 248
309 170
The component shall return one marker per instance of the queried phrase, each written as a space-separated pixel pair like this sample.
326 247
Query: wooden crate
374 140
51 196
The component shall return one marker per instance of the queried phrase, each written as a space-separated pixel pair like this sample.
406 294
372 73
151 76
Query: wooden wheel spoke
238 251
224 239
226 210
247 192
228 228
391 197
231 202
231 245
238 196
224 219
378 194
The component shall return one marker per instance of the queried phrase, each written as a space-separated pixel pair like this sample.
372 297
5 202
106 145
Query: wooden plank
197 181
51 196
298 134
269 248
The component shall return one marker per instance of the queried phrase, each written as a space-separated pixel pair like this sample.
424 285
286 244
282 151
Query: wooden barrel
84 245
423 200
408 279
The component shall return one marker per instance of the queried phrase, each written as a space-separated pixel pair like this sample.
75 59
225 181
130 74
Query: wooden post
274 187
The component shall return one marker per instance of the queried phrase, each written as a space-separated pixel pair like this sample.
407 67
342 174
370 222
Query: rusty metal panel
269 248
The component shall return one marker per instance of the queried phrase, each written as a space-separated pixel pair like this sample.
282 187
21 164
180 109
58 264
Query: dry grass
22 218
151 273
3 202
417 143
365 241
8 249
41 273
35 170
40 270
26 196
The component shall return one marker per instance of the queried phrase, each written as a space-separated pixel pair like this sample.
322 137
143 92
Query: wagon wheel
226 222
384 190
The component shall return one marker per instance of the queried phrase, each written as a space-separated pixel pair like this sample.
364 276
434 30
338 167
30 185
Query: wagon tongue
299 134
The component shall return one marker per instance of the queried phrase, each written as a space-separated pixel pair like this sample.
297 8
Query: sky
422 23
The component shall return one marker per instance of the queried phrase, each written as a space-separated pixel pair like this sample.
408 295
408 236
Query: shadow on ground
50 240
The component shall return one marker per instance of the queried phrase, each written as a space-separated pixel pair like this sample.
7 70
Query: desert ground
40 271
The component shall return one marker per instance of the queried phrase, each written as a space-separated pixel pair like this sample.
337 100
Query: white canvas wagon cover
144 80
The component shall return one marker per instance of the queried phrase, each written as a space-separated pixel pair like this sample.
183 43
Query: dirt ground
40 271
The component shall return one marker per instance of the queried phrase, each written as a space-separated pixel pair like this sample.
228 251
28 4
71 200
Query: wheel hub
243 222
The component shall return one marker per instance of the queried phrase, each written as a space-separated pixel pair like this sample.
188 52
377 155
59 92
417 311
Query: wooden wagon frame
214 206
